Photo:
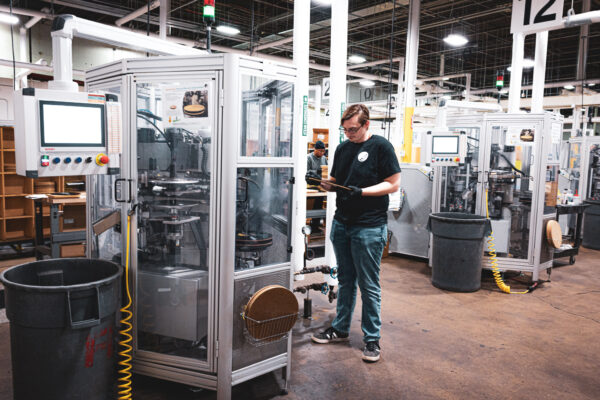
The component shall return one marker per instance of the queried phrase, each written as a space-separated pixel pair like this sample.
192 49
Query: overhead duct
65 27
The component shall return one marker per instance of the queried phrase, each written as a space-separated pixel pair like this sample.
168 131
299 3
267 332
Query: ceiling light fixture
9 19
591 84
367 83
356 59
228 30
456 40
569 87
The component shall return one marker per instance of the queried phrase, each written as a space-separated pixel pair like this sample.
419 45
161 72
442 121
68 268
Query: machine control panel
445 149
60 133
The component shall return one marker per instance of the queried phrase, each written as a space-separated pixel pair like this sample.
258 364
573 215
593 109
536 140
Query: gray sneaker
372 351
329 335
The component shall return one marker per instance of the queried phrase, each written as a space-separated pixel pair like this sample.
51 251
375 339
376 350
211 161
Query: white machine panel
444 149
61 133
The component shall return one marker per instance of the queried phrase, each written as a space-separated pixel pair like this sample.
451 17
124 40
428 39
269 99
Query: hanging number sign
530 16
325 87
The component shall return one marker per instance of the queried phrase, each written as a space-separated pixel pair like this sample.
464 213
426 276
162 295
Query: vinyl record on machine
270 313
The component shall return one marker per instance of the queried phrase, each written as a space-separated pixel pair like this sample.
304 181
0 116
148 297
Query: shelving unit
17 223
315 197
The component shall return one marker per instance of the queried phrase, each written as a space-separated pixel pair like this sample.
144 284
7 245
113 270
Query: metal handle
130 184
130 190
116 182
82 296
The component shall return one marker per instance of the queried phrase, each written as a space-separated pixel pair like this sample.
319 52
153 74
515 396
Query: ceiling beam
137 13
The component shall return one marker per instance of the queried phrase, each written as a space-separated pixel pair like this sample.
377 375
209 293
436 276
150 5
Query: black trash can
591 225
457 250
63 334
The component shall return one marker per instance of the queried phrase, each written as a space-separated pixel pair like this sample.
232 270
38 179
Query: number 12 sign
529 16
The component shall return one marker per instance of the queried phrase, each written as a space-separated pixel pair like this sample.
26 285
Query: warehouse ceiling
267 26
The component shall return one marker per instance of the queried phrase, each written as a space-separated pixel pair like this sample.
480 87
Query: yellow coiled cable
493 258
125 391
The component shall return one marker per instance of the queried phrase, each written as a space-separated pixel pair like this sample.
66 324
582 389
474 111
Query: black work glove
356 192
347 194
316 179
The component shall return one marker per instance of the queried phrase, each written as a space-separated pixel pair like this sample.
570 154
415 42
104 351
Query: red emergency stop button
457 159
102 159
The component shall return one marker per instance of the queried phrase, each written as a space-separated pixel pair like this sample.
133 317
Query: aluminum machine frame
515 158
207 178
581 168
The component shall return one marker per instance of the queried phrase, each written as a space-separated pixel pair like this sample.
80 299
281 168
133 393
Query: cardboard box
72 250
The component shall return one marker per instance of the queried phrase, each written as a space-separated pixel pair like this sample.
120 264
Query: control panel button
78 160
67 160
45 161
88 160
102 159
56 160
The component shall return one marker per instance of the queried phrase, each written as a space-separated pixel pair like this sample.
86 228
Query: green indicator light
209 11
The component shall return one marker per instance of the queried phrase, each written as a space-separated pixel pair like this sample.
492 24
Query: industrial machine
510 169
408 224
445 149
580 168
207 174
62 133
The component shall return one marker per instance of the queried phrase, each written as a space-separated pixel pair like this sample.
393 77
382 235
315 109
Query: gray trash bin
457 250
63 334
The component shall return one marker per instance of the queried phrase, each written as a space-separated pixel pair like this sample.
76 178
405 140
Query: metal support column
165 7
410 70
396 137
539 72
337 99
582 53
516 73
301 48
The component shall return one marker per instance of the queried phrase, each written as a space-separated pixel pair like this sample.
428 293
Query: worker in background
314 162
367 165
316 159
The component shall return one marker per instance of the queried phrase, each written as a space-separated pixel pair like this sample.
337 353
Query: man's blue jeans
358 250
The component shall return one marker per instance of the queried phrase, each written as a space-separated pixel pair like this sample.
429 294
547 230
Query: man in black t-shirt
367 165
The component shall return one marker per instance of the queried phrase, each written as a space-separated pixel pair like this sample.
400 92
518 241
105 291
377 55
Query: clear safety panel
263 217
459 184
174 153
267 117
593 189
510 188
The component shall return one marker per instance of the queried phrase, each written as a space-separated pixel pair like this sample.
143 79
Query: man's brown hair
356 109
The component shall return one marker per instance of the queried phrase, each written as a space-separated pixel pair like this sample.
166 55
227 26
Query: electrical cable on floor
125 390
494 261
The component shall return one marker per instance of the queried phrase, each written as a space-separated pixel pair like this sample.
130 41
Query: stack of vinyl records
194 110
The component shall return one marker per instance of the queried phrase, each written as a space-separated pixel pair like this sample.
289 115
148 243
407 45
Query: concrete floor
437 344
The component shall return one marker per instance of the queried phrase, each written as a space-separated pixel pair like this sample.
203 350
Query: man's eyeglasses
352 130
